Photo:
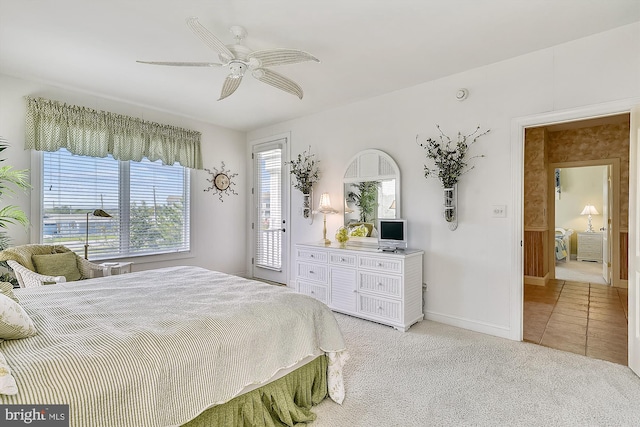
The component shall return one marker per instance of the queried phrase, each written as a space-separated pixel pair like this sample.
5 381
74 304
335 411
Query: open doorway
581 218
578 316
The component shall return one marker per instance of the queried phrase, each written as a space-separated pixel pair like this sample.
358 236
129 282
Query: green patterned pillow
6 288
61 264
15 323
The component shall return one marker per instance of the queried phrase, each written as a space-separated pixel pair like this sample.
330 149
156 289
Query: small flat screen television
392 234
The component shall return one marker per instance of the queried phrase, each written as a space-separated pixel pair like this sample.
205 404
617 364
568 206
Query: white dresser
590 246
385 287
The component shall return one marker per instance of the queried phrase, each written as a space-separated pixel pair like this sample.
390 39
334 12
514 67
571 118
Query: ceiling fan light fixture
237 69
239 58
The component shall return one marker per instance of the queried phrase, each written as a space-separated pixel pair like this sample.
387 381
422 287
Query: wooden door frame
615 219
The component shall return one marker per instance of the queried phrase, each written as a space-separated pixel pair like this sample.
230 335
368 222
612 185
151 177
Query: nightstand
590 246
113 268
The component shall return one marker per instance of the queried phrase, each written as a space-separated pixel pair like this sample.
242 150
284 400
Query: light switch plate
499 211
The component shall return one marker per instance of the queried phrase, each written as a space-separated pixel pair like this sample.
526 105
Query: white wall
219 228
468 271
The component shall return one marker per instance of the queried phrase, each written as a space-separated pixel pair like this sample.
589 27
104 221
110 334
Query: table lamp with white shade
589 210
325 208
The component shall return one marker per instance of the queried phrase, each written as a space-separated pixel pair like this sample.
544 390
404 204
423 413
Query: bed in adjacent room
563 244
174 346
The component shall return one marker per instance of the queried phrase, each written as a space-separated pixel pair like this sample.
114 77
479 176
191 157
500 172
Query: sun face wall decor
221 182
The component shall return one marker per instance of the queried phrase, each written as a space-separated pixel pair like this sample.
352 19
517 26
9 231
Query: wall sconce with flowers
450 163
304 169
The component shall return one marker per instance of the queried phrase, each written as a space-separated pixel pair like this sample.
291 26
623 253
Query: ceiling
366 47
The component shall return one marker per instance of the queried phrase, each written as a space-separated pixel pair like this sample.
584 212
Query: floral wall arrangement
449 158
450 162
304 169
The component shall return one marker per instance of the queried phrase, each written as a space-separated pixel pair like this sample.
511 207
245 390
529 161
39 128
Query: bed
563 244
170 346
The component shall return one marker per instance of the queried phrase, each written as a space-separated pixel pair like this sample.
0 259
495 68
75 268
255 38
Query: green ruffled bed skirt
284 402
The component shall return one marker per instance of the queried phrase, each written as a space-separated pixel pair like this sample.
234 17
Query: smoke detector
462 94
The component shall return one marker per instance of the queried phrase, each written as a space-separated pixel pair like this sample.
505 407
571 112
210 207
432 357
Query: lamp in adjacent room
325 208
97 212
589 210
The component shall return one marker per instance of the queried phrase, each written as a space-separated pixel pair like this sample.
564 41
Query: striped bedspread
156 348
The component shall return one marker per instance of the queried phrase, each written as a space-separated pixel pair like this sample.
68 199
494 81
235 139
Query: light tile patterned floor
588 319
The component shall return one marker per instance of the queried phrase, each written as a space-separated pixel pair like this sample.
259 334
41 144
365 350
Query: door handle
284 230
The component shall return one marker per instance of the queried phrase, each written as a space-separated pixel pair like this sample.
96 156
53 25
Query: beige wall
535 179
594 143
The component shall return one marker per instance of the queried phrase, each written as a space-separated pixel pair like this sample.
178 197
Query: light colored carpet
439 375
580 271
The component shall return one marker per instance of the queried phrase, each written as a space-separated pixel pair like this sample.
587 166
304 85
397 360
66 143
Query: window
148 203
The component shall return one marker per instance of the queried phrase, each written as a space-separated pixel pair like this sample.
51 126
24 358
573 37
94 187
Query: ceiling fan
238 58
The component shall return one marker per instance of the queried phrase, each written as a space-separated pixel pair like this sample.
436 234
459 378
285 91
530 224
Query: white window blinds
148 203
268 193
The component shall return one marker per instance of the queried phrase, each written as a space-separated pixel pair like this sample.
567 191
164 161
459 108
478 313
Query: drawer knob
379 264
379 308
313 292
311 256
379 284
342 260
312 272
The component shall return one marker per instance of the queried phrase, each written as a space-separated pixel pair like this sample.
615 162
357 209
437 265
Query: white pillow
15 323
7 382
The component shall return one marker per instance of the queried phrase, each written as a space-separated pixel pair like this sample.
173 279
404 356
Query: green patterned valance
52 125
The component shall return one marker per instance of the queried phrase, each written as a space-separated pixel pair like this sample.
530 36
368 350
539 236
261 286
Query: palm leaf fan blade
272 57
278 81
208 38
230 86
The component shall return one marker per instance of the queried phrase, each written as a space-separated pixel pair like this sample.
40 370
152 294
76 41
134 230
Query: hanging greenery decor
305 170
449 156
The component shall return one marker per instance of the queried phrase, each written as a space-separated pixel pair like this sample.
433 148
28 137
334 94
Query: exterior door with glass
270 207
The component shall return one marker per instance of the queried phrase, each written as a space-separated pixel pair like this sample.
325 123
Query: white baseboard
472 325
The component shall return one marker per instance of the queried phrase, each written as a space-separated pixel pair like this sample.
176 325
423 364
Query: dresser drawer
380 264
311 255
311 271
382 284
316 291
337 258
380 307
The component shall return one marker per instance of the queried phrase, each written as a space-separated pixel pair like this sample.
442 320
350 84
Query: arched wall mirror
371 190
